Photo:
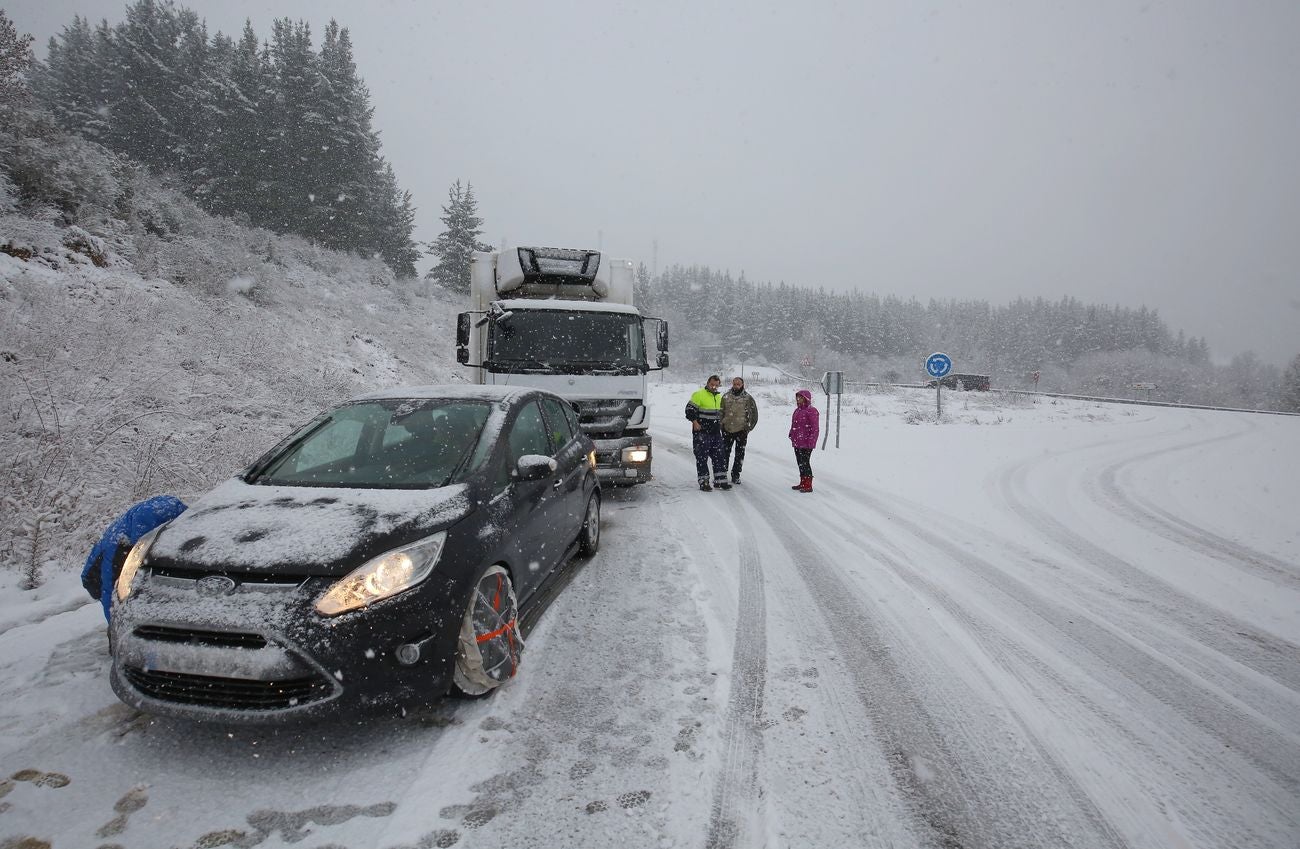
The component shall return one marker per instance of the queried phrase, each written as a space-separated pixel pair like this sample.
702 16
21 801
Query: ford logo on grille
214 585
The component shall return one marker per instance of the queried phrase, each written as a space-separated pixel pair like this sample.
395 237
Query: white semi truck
563 320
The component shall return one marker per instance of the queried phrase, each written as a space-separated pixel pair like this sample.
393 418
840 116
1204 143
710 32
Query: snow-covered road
1034 625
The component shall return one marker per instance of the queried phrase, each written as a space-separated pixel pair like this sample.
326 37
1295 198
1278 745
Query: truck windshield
570 342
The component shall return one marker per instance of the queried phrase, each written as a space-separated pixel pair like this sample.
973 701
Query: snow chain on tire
488 650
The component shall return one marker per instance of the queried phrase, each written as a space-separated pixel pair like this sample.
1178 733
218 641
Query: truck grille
605 419
232 693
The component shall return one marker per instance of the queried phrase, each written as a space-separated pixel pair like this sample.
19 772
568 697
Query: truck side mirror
462 338
663 338
663 359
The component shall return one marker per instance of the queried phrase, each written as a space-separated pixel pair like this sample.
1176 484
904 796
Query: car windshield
390 443
570 342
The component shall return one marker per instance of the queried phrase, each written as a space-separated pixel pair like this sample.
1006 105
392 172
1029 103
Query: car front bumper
262 654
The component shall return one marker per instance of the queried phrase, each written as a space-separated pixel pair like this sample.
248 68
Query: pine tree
351 173
144 88
244 138
455 244
1290 390
391 220
15 64
291 175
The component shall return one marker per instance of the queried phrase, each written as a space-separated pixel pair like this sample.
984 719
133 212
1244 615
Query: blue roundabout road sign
937 365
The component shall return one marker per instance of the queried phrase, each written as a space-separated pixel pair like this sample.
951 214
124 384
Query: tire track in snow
951 787
1268 747
1209 813
735 792
1178 530
856 801
1211 643
1217 629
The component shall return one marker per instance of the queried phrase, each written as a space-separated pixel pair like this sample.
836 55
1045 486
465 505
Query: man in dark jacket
106 558
704 412
739 417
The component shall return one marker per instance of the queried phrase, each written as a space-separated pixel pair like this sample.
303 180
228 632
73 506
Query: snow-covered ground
1031 625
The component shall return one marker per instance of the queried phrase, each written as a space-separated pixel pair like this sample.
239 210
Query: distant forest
1075 346
275 133
278 135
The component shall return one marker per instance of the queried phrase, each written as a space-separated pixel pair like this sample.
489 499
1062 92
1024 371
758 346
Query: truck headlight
383 576
134 560
591 458
636 454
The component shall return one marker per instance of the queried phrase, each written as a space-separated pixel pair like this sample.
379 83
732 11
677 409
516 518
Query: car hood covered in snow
302 530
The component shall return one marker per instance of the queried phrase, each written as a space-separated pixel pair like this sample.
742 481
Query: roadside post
833 383
937 365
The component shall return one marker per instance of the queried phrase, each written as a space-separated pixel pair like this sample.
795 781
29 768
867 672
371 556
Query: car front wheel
589 536
489 647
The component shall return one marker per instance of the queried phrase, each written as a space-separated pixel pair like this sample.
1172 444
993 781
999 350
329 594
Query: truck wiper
522 362
601 367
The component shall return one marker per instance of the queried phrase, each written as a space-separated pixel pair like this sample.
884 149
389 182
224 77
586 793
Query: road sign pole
827 433
937 365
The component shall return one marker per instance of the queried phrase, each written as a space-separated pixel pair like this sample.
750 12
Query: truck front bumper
624 461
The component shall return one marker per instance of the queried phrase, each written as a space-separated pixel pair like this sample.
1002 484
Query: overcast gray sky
1124 152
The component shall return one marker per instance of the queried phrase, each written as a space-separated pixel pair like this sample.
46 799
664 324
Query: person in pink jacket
805 427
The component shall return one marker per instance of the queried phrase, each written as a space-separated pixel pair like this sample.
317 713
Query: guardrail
1097 398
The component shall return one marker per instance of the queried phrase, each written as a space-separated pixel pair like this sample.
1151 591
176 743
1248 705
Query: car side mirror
462 338
534 467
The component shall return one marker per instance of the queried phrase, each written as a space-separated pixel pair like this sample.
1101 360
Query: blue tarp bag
106 558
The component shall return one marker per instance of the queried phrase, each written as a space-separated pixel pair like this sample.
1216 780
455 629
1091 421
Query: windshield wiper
602 367
258 469
522 363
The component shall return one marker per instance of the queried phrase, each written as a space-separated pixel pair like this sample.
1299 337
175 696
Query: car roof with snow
450 391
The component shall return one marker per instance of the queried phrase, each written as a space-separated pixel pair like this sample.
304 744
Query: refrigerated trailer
564 320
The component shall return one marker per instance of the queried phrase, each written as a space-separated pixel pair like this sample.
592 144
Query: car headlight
134 561
383 576
636 454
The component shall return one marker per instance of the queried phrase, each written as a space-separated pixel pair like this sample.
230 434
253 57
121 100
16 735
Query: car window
572 415
528 434
560 429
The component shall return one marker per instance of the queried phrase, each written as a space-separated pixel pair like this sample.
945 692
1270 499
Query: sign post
937 365
833 383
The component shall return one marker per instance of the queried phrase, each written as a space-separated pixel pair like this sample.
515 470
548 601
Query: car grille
176 573
192 636
233 693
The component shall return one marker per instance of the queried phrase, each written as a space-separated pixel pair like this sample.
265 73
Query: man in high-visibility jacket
704 412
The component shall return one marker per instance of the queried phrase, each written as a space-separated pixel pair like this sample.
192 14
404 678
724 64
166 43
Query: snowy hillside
142 365
1052 624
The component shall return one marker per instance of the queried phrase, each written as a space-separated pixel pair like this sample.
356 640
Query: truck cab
563 320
